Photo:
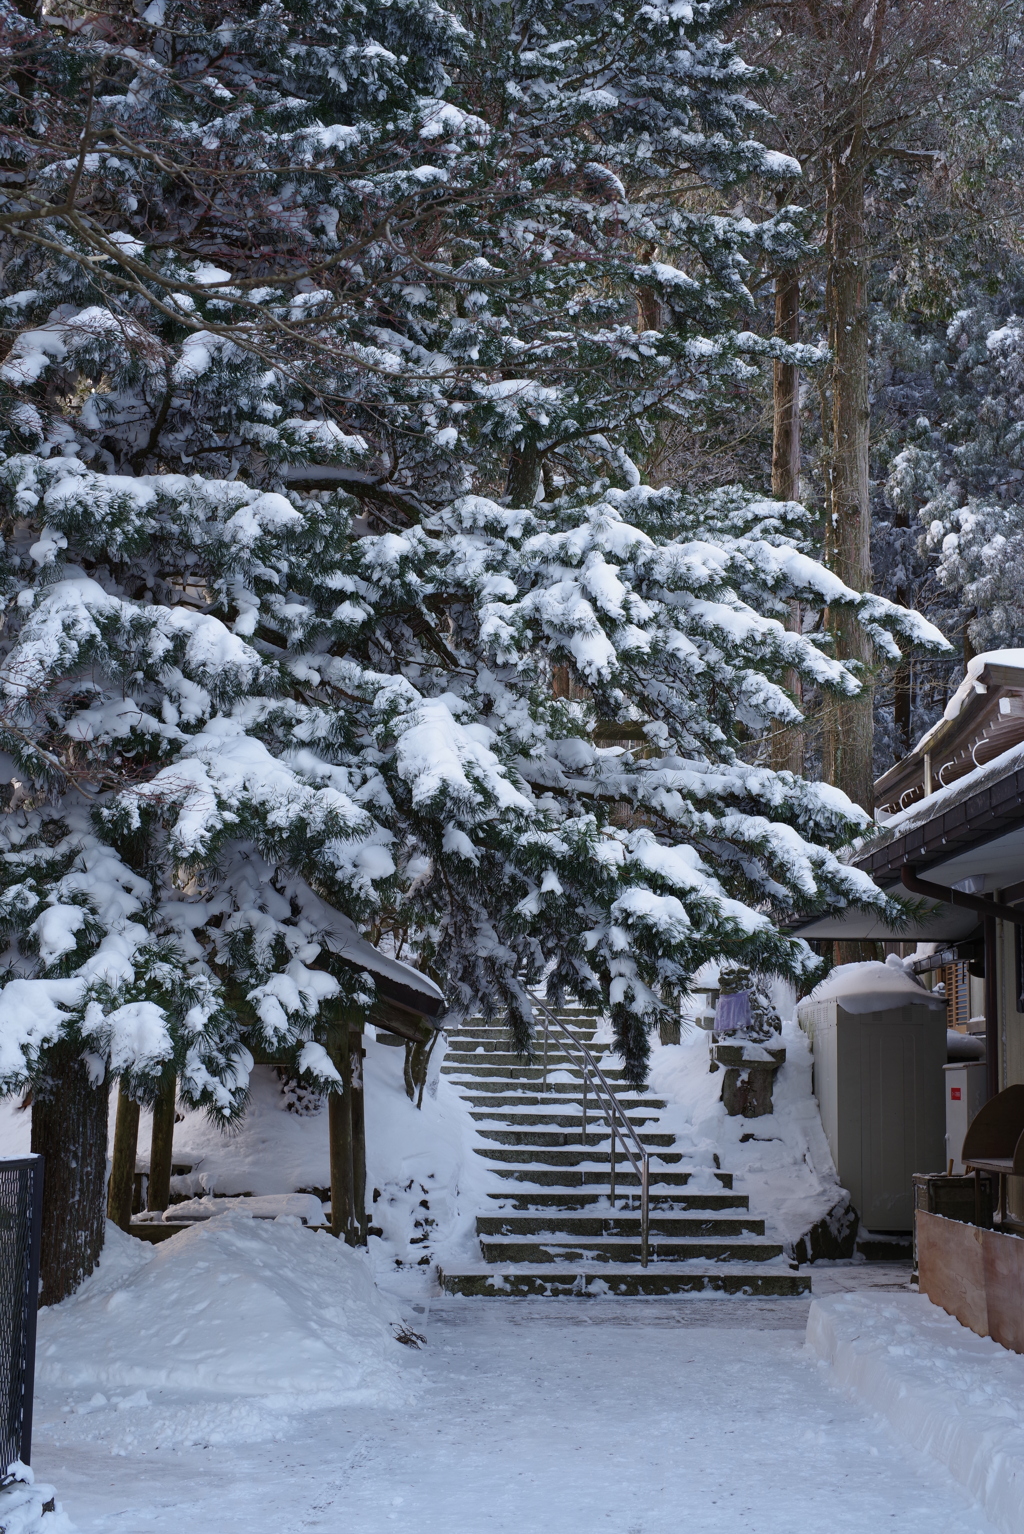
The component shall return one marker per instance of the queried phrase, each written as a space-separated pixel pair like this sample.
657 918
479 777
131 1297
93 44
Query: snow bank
946 1393
233 1305
303 1207
781 1160
873 987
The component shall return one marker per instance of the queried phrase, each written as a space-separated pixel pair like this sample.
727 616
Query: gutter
992 911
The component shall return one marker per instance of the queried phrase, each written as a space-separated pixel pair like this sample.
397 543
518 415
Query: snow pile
946 1393
304 1207
28 1506
874 987
234 1305
781 1160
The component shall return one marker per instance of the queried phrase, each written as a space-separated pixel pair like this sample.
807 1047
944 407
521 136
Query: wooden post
339 1118
358 1119
122 1173
158 1195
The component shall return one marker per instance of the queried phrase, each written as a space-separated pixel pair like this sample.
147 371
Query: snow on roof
971 683
873 987
343 938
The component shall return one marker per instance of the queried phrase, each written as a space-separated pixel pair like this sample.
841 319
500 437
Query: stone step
567 1199
491 1118
472 1059
571 1138
502 1249
573 1227
536 1155
503 1100
572 1075
568 1177
503 1087
510 1280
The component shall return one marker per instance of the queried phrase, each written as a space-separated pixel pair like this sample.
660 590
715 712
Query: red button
954 1093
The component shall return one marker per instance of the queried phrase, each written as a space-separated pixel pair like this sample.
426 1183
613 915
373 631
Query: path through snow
705 1416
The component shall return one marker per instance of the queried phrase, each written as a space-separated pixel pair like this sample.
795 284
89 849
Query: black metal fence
21 1216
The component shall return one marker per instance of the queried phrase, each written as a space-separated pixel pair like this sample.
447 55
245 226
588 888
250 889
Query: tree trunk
161 1152
786 392
120 1193
417 1064
69 1128
787 741
902 706
524 473
848 734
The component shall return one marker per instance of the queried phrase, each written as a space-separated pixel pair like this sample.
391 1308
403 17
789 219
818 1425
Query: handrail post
645 1208
611 1192
545 1052
584 1105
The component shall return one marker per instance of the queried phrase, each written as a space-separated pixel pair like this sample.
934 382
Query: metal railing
608 1108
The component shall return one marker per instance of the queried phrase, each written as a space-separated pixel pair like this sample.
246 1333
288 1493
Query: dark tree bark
787 742
161 1154
69 1128
848 727
524 474
786 392
122 1170
902 706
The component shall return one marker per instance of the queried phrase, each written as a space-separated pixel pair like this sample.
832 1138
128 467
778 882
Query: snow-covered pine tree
963 475
293 297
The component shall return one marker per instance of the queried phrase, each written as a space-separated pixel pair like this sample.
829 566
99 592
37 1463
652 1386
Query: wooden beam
357 1100
339 1117
121 1190
158 1194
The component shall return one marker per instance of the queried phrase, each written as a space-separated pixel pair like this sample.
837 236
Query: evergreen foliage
333 594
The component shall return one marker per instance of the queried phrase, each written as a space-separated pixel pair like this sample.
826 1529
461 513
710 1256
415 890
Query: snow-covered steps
608 1222
564 1198
660 1278
552 1227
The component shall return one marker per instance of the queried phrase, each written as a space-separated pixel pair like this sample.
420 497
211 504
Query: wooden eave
990 721
966 823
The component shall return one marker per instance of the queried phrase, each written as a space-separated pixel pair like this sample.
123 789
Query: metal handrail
606 1099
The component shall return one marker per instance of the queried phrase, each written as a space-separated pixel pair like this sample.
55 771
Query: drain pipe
992 911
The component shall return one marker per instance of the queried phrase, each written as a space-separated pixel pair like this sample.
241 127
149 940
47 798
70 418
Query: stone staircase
550 1228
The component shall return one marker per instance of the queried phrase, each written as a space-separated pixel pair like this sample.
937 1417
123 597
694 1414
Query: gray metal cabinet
878 1078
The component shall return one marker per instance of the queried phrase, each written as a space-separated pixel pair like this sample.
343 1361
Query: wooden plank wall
975 1275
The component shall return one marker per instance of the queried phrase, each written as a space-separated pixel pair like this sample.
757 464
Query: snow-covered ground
250 1375
522 1417
953 1397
